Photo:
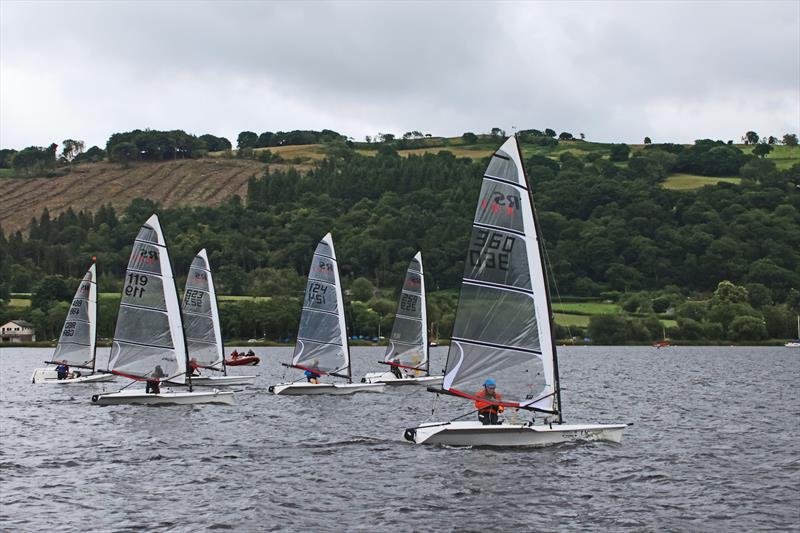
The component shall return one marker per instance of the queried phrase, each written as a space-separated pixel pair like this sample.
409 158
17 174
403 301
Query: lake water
715 446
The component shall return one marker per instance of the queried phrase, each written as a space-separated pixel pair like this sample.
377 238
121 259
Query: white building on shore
17 331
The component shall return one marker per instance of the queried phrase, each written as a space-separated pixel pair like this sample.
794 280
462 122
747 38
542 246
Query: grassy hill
687 182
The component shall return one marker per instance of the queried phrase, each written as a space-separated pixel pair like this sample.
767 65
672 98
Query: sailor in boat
488 412
396 369
194 367
154 383
63 371
234 355
312 374
251 353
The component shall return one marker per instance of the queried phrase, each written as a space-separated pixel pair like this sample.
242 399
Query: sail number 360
135 285
493 250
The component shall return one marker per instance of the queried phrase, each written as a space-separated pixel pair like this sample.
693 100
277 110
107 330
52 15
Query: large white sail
502 327
76 345
201 315
408 344
322 336
148 341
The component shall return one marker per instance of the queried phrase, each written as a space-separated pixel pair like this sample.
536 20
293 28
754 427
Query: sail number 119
135 285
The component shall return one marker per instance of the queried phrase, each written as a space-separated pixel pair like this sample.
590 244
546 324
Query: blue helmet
489 383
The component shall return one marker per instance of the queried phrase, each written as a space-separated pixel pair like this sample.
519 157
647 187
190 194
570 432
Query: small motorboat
243 360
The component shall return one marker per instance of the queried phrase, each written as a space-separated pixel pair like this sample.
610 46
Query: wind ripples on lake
714 447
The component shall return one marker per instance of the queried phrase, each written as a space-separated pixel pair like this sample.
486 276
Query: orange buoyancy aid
486 407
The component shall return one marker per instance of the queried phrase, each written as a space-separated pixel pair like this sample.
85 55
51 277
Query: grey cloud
616 71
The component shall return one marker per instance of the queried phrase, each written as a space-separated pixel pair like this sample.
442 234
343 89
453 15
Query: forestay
502 327
322 336
201 315
76 345
408 344
148 341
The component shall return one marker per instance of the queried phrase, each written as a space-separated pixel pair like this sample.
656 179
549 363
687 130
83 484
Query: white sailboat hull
477 434
222 381
139 397
390 379
303 388
50 377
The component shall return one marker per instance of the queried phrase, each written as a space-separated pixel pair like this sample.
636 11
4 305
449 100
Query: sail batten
148 340
501 180
502 324
498 228
322 334
321 342
499 286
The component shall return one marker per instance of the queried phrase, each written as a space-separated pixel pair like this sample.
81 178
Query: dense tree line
745 313
610 229
154 145
249 139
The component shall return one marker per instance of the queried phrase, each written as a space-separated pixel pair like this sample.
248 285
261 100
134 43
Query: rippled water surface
714 447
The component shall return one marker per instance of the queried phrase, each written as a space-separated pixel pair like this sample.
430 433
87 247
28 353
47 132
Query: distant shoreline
238 343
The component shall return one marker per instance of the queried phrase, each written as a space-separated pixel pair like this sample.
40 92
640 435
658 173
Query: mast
340 306
180 314
96 312
550 317
221 340
424 317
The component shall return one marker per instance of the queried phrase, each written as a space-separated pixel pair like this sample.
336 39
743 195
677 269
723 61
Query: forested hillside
613 231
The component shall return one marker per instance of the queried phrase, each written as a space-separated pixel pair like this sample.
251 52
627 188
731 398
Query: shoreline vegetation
696 243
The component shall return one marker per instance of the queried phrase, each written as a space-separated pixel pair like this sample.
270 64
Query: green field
587 308
580 321
687 182
784 156
242 298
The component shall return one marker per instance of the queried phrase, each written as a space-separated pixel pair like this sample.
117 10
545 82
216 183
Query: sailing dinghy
202 327
322 337
77 345
795 343
407 353
149 343
503 329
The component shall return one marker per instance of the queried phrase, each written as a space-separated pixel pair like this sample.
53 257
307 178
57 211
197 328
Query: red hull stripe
479 399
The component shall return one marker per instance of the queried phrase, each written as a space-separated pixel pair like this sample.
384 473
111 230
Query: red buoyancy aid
486 407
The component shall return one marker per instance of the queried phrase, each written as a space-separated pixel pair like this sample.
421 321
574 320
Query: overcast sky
616 71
